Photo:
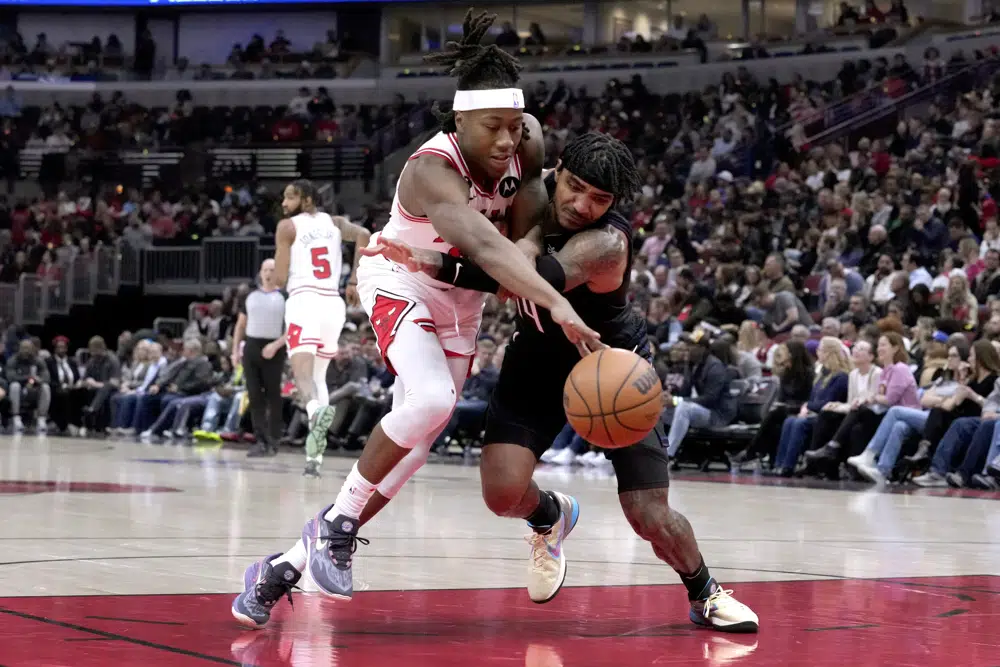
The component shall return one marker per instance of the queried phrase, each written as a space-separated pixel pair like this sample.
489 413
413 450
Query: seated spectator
225 401
878 460
190 375
830 388
959 308
967 402
98 382
28 383
782 311
147 363
568 448
347 378
896 387
710 378
64 374
182 410
794 368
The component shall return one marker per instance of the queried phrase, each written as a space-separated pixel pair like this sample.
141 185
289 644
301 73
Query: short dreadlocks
477 67
605 163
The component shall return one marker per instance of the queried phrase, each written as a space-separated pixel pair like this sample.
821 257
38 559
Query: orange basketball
613 398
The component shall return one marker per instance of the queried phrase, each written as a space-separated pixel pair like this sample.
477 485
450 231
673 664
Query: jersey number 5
321 265
528 310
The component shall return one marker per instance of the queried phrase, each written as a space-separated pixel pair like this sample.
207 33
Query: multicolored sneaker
331 546
319 427
263 586
548 562
721 611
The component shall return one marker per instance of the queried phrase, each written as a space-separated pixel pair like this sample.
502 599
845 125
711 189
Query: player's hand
351 295
234 358
416 260
572 325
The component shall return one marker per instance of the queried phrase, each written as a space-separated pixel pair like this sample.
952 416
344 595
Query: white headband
497 98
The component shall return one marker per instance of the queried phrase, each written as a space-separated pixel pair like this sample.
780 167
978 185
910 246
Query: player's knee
435 403
502 491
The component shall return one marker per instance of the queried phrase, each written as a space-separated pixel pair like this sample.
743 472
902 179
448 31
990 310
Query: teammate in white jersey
482 172
308 259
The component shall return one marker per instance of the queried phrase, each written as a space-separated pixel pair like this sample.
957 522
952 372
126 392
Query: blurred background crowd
823 229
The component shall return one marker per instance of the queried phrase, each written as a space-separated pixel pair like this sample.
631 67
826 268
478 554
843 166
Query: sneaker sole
743 627
249 581
564 565
864 472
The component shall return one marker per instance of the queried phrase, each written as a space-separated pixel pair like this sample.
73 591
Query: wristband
462 273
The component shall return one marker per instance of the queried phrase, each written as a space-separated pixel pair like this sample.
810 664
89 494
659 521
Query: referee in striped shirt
261 325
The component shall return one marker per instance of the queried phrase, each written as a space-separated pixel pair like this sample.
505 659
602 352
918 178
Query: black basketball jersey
608 314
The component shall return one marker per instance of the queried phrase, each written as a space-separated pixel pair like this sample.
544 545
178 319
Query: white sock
311 408
318 459
296 557
353 496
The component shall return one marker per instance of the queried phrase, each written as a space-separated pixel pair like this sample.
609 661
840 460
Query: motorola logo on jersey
509 186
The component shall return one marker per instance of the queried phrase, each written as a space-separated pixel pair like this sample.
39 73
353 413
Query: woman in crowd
967 401
794 368
877 461
830 388
959 308
896 387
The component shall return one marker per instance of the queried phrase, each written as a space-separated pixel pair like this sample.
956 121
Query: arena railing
75 281
949 86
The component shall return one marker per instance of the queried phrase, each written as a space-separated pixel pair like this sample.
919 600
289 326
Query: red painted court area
924 622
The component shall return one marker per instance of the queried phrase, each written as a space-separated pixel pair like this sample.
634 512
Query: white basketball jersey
418 232
316 257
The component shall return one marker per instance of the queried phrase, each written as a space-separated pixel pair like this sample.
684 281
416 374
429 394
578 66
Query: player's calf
673 542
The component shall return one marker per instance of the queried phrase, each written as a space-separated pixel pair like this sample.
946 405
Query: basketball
613 398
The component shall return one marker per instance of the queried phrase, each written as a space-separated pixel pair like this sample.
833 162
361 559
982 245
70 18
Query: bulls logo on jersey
509 186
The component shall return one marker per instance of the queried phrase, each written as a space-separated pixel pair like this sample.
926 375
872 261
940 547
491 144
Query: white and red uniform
392 295
315 312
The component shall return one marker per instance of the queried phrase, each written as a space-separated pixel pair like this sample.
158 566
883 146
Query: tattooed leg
666 529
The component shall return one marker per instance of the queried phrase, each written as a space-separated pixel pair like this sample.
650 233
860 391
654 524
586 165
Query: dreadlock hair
605 163
306 189
477 67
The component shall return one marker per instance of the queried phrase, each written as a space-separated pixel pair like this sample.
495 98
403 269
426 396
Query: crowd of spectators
864 282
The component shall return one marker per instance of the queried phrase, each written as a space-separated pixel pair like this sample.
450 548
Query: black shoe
261 450
921 457
739 458
955 480
984 482
311 469
827 452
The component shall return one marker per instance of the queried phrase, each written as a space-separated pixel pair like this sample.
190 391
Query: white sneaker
600 460
871 473
18 425
564 457
146 436
865 458
73 431
590 458
549 455
722 611
42 426
83 432
930 480
548 562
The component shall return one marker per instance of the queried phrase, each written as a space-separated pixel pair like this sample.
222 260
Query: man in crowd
28 382
190 375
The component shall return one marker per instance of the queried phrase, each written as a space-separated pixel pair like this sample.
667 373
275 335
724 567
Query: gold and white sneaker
721 611
548 562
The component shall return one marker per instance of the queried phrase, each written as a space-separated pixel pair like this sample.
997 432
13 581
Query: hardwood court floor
119 554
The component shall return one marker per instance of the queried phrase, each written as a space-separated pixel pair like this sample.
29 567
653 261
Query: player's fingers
370 251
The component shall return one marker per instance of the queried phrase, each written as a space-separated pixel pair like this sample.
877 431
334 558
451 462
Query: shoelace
352 545
719 596
539 548
269 592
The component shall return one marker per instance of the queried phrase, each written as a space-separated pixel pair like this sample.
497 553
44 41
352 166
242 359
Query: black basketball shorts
526 409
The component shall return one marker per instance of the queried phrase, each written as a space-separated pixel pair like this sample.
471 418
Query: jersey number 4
528 310
321 265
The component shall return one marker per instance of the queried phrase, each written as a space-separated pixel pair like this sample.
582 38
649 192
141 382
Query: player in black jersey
583 247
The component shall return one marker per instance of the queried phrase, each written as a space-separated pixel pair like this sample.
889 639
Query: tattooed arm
596 258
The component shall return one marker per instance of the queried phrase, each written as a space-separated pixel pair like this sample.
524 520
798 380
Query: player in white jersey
481 175
308 258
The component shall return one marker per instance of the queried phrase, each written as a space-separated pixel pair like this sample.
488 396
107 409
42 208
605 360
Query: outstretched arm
596 258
